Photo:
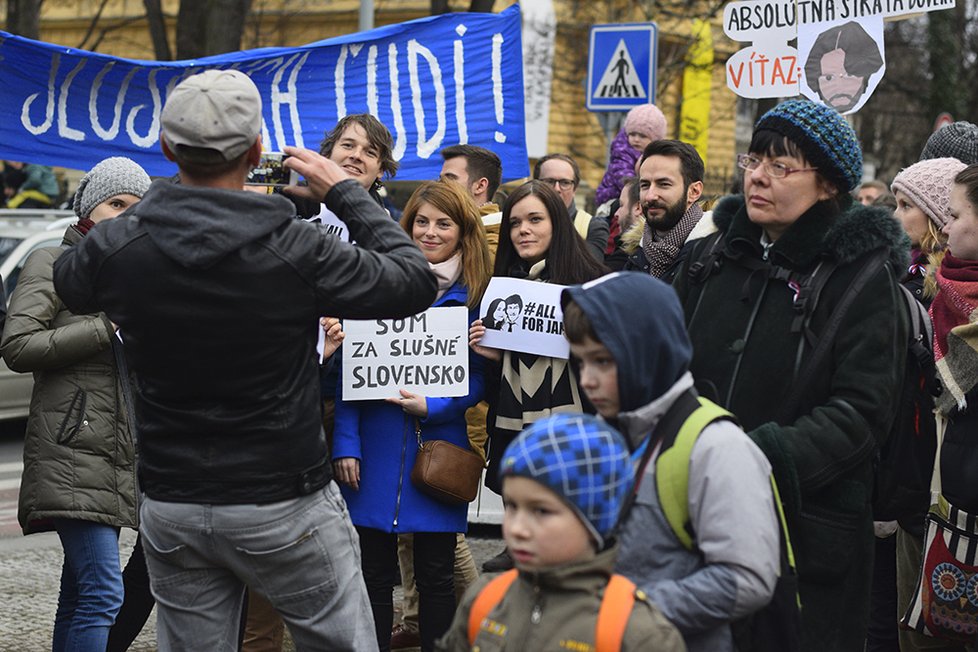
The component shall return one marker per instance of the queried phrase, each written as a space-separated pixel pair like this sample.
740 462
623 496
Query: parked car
21 232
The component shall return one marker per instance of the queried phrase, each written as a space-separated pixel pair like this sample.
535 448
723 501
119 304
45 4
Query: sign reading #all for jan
524 316
427 354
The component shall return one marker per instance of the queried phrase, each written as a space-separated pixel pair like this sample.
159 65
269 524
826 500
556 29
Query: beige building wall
122 31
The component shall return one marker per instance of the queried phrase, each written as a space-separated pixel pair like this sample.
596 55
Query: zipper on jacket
400 474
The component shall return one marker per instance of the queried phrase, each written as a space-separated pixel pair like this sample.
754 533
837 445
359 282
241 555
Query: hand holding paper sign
333 330
414 404
319 172
476 331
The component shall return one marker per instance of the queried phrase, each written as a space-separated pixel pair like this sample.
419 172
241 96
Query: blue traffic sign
621 66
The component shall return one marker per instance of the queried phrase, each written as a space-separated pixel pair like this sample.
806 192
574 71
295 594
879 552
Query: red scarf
955 316
84 225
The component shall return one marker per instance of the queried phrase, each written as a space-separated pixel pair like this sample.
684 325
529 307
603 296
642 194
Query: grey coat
78 450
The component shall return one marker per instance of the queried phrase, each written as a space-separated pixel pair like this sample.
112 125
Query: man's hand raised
320 173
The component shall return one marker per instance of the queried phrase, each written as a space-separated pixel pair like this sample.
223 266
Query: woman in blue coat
375 443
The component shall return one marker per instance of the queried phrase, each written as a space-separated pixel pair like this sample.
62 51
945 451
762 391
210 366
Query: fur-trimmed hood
818 233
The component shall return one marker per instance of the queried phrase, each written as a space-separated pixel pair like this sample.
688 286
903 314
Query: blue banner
434 82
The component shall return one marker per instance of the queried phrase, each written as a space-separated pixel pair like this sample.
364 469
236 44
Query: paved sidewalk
30 571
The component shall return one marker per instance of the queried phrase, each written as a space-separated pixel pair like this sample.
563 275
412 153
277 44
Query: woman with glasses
814 383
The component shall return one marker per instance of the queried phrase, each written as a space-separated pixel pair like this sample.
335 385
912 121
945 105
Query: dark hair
377 134
479 163
577 326
768 142
690 160
862 54
558 157
568 260
204 162
515 298
489 320
886 200
968 178
634 190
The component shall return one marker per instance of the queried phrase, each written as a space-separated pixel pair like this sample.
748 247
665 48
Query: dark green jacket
746 357
78 450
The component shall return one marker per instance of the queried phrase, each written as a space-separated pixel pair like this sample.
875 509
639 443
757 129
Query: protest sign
844 61
427 80
769 67
524 316
426 354
332 224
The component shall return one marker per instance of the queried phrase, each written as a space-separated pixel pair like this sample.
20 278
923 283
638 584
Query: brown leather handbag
445 471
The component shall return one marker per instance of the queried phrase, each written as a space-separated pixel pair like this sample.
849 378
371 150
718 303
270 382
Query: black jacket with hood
218 294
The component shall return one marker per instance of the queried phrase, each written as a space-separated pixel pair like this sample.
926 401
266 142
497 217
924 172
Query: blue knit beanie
581 459
824 136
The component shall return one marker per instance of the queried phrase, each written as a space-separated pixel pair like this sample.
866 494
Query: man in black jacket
218 294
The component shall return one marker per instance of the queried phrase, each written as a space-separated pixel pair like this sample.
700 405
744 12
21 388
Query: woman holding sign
542 246
375 444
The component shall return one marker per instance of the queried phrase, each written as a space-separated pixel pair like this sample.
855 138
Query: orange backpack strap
486 601
616 609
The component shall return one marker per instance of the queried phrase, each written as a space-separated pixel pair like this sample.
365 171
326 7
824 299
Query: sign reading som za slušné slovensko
427 354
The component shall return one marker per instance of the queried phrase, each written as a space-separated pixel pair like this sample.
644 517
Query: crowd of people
712 468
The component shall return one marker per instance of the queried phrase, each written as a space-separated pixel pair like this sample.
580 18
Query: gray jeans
302 554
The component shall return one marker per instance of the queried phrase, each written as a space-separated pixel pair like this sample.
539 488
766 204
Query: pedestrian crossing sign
621 66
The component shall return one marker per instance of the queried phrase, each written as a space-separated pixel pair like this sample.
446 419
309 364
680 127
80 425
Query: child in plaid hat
565 479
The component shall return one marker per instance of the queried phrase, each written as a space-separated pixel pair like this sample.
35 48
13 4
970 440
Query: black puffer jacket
218 295
740 320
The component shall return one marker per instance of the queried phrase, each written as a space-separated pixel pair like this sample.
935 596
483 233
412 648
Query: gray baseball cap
216 109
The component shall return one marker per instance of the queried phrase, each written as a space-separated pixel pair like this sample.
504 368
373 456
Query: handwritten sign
524 316
426 354
849 65
427 80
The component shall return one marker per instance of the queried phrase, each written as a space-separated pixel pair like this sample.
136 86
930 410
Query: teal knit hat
824 137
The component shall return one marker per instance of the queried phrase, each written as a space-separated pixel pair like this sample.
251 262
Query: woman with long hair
522 387
375 445
79 457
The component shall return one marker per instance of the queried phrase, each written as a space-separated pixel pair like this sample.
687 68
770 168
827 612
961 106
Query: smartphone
270 171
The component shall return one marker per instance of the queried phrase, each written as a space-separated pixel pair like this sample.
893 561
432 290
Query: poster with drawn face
524 316
844 61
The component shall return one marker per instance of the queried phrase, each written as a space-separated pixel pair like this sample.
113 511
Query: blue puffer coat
382 437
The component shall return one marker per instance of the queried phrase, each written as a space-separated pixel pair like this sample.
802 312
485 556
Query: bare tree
206 27
24 17
157 30
442 7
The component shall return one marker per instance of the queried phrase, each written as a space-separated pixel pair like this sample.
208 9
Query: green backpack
774 628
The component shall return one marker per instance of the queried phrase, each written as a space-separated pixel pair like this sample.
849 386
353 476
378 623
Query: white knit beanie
113 176
928 185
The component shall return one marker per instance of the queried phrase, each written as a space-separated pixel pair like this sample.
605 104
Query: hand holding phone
271 171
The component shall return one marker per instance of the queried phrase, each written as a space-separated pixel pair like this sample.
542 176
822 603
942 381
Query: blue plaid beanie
581 459
824 136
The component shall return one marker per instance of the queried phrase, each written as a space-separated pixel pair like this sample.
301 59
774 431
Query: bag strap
616 609
709 260
800 385
672 468
490 595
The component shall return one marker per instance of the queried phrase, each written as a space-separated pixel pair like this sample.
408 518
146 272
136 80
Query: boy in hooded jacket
634 365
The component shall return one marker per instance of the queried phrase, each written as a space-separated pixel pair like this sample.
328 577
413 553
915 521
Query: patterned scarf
955 315
662 247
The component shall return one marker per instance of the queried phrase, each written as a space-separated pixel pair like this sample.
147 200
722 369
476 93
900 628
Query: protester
233 464
627 226
633 367
364 148
79 457
28 185
562 173
869 191
542 246
479 171
923 194
754 341
565 479
644 124
671 183
376 444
